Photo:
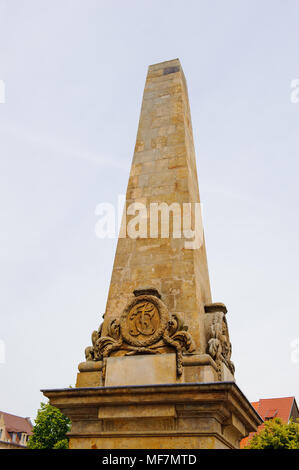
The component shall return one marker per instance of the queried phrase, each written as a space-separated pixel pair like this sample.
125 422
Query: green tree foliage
276 435
63 444
49 431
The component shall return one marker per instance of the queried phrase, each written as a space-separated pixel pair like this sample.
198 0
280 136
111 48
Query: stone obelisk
159 372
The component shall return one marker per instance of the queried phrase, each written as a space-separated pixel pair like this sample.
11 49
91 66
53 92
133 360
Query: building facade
14 431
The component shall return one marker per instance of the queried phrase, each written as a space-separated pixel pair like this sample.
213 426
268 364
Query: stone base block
141 370
89 379
174 416
90 374
226 373
199 368
149 370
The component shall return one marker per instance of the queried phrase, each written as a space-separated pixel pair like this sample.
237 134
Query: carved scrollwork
145 327
176 335
91 353
218 344
105 345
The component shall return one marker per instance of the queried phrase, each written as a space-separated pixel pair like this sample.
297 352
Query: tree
276 435
49 431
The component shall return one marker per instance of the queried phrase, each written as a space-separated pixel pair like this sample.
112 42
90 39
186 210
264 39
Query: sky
74 73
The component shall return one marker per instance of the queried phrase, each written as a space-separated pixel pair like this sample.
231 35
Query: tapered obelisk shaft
163 171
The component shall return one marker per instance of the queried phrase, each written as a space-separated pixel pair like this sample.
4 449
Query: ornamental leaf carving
218 344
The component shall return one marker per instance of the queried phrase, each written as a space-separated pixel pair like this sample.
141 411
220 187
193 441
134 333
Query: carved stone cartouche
145 327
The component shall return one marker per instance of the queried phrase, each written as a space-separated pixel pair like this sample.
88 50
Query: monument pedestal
167 416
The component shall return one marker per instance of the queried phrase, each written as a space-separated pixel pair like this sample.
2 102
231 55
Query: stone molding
198 411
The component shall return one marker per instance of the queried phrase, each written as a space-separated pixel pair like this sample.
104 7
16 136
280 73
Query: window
270 414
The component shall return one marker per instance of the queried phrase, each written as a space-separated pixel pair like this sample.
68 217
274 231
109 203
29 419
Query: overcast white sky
74 73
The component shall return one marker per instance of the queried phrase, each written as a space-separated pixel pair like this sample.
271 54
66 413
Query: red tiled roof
278 407
16 423
269 408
